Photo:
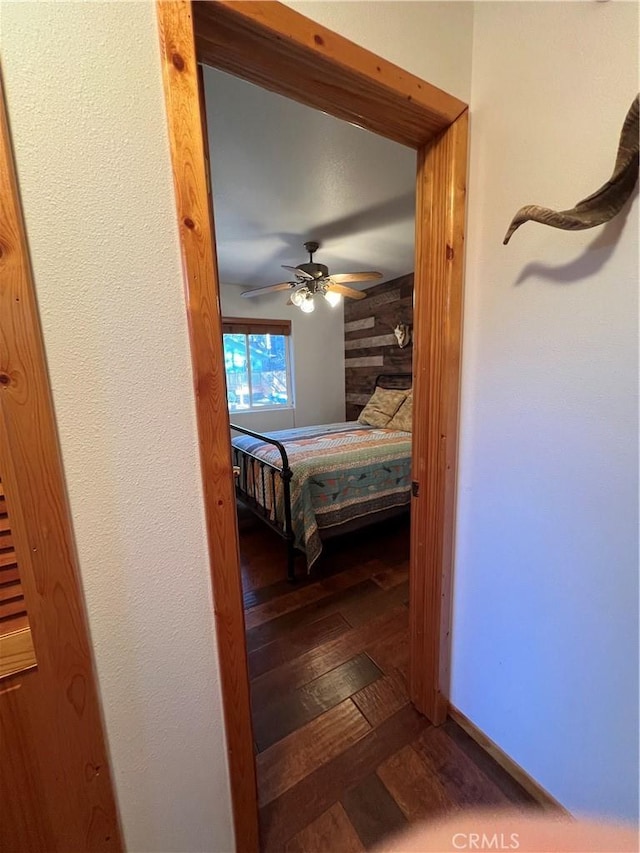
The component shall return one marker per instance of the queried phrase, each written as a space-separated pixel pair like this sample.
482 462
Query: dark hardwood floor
343 759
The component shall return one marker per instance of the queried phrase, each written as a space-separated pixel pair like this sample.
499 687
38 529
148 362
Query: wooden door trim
185 115
271 45
438 289
279 49
51 710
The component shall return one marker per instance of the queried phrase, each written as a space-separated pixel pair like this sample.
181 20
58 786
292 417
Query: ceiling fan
313 279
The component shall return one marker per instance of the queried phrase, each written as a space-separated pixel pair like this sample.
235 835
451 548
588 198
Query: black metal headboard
394 381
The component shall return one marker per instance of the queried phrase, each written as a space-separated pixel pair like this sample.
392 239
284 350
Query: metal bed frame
255 479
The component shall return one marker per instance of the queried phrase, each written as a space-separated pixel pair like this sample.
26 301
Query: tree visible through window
257 367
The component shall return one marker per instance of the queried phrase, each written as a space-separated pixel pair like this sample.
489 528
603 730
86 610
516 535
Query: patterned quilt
341 472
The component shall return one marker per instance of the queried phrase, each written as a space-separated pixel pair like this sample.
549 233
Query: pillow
382 406
403 418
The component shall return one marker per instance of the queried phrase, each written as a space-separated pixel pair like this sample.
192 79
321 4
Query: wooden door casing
440 215
199 263
273 46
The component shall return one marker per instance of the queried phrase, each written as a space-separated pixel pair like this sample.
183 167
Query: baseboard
514 770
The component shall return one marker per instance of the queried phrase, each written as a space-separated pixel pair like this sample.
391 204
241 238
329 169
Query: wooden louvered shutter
16 645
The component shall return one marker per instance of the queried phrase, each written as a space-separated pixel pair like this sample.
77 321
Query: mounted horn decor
606 202
403 334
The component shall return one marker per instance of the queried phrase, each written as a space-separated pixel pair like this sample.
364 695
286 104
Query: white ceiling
283 173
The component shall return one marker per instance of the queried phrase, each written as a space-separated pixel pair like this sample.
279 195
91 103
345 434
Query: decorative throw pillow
404 416
382 406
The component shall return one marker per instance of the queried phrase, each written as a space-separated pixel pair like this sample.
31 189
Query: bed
315 482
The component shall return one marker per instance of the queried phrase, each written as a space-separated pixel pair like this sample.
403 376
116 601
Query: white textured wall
545 657
318 359
431 39
84 90
86 107
545 632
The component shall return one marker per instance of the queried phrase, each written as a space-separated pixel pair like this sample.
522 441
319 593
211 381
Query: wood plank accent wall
369 343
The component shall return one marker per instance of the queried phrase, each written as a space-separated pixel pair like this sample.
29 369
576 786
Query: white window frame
289 371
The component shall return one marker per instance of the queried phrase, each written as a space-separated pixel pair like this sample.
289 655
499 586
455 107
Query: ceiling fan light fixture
308 305
314 279
298 297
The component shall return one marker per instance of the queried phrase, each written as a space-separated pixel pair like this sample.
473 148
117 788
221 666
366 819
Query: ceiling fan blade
272 288
346 291
298 272
343 277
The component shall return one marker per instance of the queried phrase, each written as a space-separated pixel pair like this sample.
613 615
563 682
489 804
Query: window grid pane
257 371
237 370
268 362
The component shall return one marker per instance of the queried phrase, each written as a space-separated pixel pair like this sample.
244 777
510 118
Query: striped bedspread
341 472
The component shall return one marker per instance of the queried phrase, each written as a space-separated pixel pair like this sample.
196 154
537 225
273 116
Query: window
257 363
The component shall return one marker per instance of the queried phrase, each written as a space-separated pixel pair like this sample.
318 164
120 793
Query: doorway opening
270 45
319 389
